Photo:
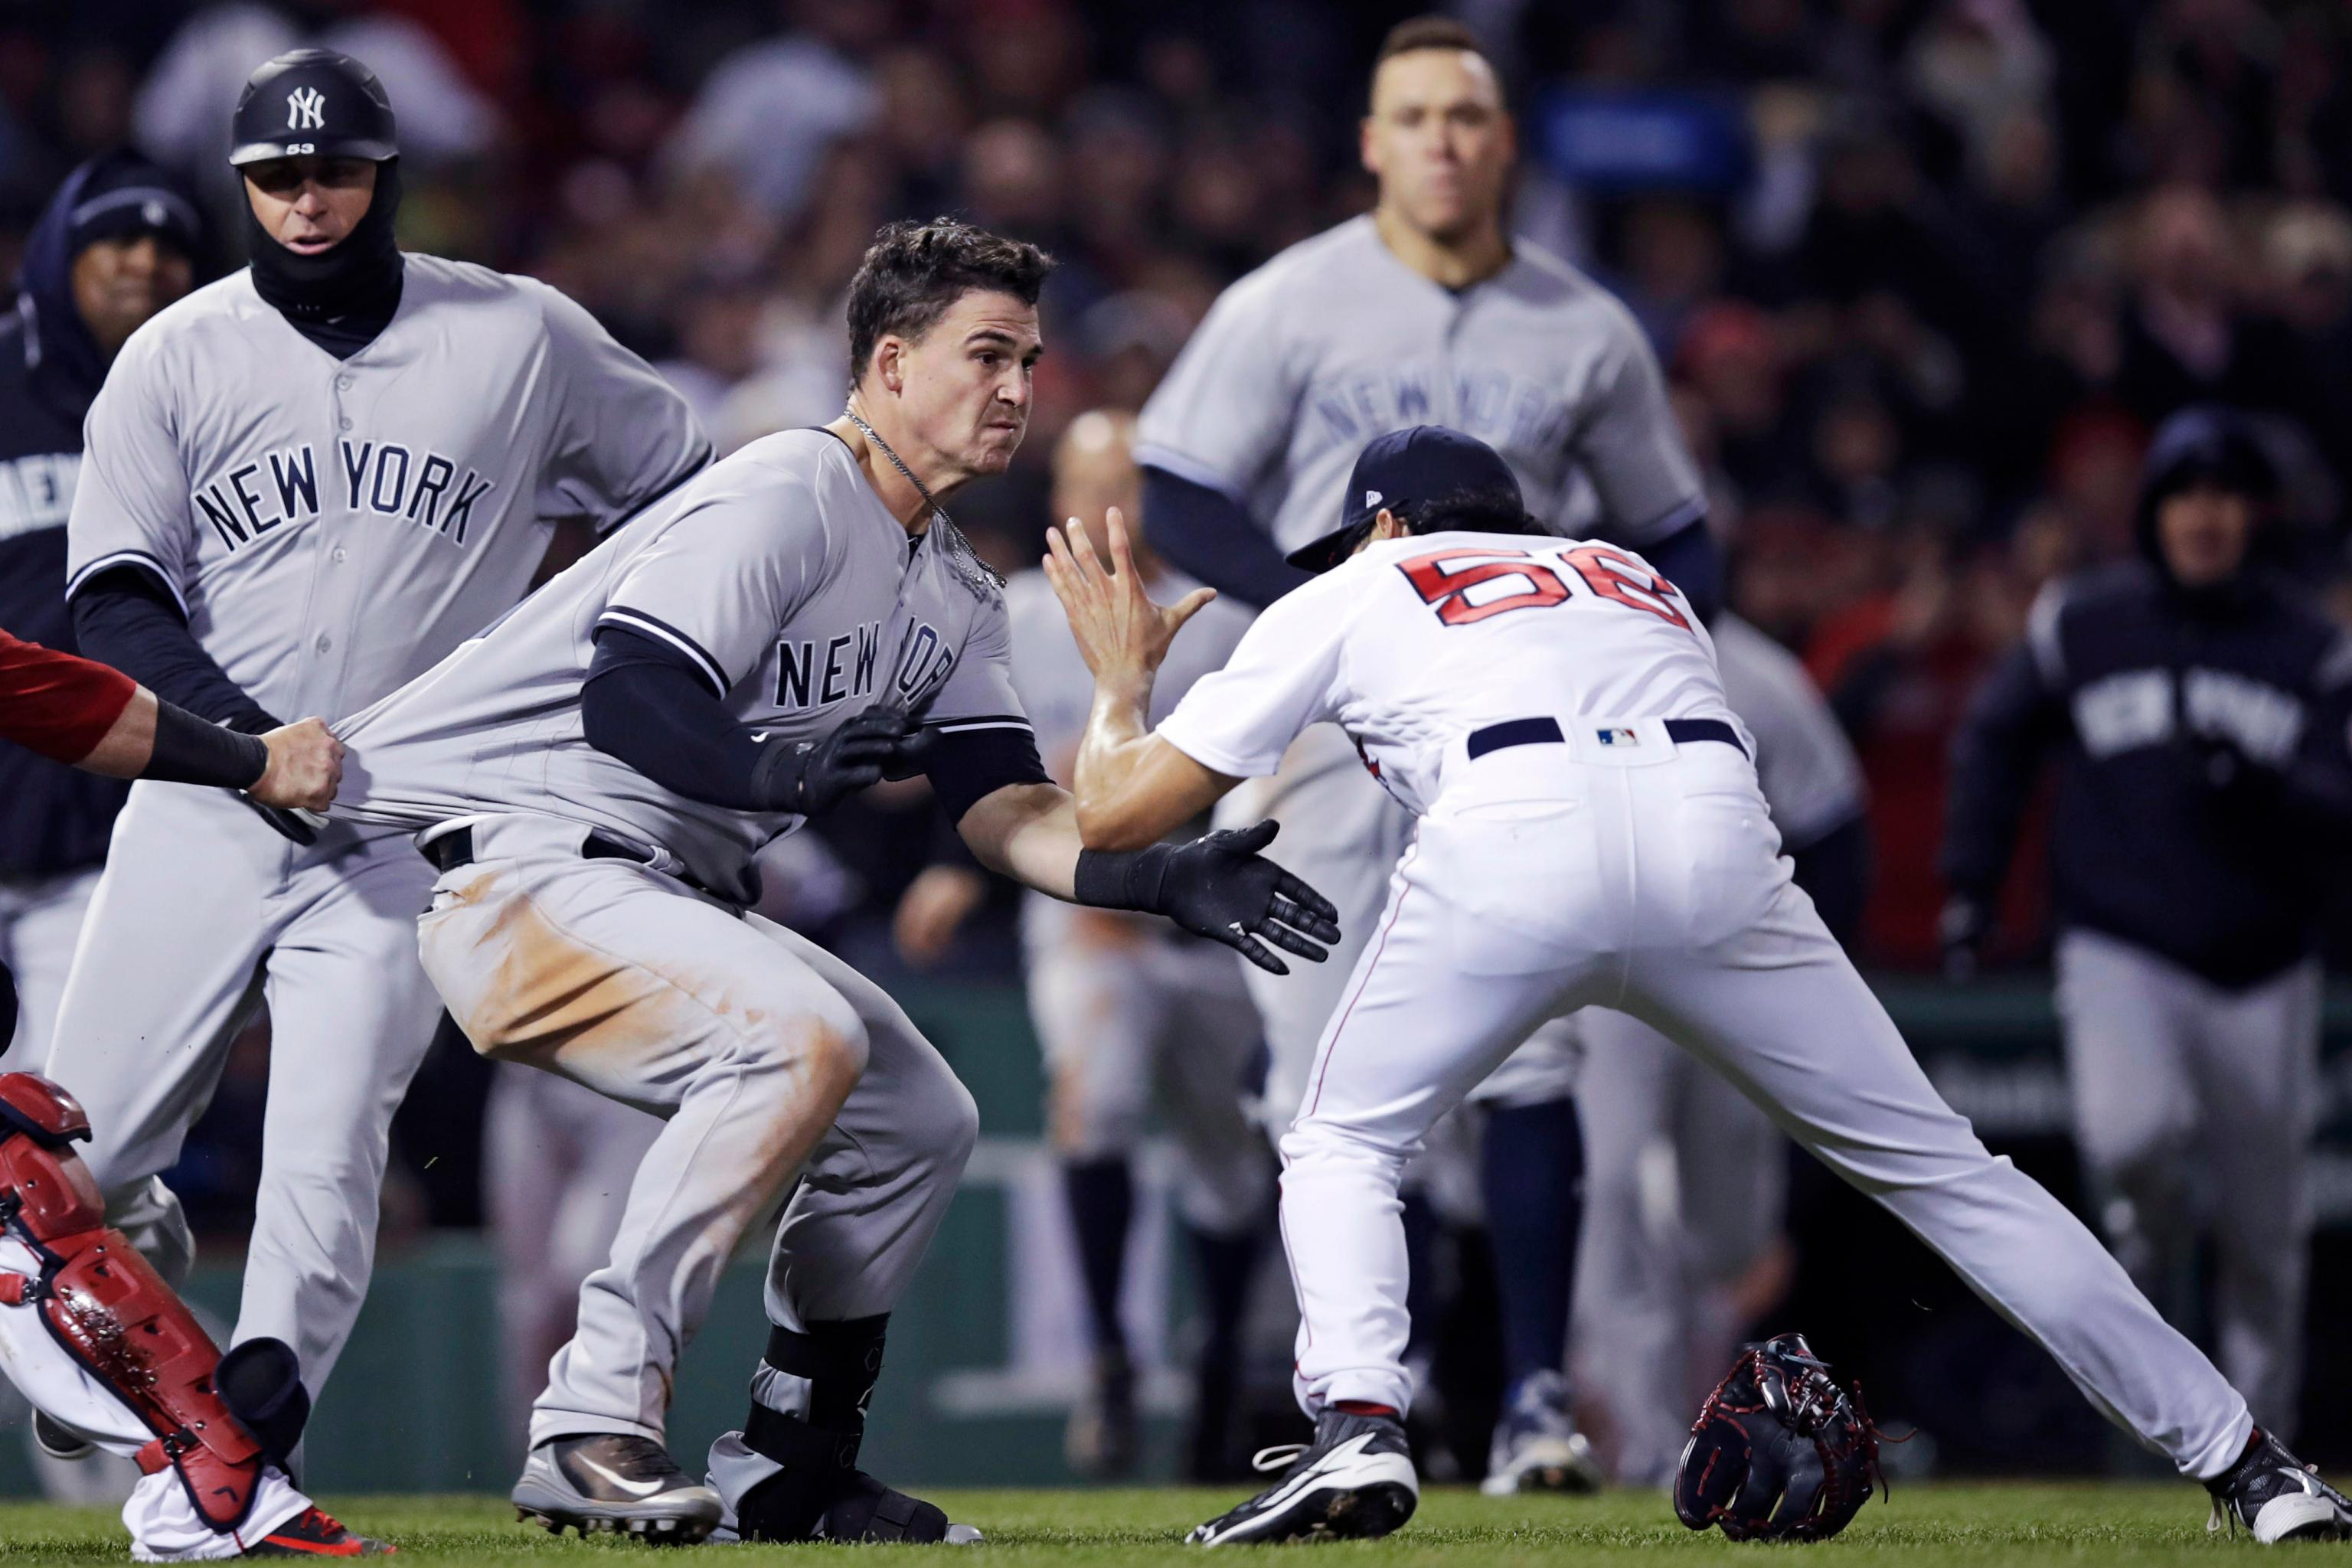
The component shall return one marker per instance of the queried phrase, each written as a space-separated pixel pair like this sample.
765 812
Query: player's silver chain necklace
899 463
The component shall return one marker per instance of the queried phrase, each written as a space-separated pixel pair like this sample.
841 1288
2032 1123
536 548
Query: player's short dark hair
1486 510
914 272
1415 33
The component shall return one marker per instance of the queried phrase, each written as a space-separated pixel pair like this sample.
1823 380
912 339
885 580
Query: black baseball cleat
1355 1481
2277 1497
613 1482
315 1532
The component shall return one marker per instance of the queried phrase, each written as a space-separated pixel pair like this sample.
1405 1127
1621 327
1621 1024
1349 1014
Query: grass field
2000 1524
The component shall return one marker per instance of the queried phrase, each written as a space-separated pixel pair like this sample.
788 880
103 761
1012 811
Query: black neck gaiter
342 297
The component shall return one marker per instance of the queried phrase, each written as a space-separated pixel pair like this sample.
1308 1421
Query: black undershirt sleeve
645 704
967 766
1206 534
125 618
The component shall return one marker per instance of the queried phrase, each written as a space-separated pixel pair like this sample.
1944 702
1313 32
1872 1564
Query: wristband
1121 879
189 750
776 776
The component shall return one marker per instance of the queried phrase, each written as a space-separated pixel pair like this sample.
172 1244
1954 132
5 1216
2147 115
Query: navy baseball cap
1402 472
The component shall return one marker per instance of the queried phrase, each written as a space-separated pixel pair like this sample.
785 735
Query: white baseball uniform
1654 1324
1591 834
1329 344
1127 1005
580 938
331 528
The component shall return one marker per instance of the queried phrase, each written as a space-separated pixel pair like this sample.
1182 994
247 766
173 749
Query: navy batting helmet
312 101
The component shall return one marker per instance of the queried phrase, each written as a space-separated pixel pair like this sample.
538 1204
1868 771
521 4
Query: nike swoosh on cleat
635 1489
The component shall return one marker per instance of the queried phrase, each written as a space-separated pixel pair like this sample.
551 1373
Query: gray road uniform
1126 1005
597 929
331 528
1297 366
1653 1329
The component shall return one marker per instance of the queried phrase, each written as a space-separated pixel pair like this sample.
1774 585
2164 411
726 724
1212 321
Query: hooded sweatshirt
53 819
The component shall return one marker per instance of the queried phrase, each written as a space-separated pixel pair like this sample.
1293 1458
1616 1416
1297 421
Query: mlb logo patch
1618 737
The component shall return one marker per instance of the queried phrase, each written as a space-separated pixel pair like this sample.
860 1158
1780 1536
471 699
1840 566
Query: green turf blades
1927 1526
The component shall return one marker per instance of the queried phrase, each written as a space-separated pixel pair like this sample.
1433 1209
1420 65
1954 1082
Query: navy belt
1547 733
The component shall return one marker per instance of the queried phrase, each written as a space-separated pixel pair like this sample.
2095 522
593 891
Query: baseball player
593 777
111 248
1424 310
1129 1011
1662 1301
2197 710
304 484
1590 833
105 1351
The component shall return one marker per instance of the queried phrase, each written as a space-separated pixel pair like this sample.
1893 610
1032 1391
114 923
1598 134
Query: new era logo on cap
1371 498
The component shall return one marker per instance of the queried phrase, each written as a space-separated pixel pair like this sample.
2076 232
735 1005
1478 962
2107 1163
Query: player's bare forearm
122 752
1029 832
1134 788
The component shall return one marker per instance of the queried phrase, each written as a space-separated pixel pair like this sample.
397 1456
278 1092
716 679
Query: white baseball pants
1648 878
1342 833
203 913
766 1057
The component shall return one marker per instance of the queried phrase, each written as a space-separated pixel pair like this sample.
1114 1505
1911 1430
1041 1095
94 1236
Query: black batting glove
1218 886
806 777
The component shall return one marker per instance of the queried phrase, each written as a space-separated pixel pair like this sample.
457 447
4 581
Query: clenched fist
306 767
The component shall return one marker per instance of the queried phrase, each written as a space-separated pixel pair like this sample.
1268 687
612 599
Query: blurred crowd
1938 268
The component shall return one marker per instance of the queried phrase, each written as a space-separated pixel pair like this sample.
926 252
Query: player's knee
950 1118
1313 1141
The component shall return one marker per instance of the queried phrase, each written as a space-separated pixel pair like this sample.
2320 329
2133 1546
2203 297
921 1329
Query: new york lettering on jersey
436 493
332 527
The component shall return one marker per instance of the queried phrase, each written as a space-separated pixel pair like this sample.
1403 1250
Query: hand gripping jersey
785 583
1336 341
1417 642
332 527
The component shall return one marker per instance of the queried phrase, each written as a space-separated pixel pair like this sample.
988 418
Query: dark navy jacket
2204 783
52 819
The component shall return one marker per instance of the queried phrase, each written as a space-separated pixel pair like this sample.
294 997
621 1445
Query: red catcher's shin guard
107 1308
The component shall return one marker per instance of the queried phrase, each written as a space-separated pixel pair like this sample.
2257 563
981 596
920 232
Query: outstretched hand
1121 634
1220 887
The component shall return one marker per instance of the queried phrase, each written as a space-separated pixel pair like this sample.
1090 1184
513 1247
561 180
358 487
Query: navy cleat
2277 1497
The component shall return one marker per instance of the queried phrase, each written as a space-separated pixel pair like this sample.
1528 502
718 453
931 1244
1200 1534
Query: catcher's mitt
1779 1451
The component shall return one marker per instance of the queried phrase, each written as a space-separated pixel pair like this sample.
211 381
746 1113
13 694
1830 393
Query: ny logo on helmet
306 110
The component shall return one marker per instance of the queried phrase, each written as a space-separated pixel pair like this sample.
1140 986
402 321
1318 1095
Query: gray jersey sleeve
1629 444
130 506
726 574
623 434
979 693
1223 412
